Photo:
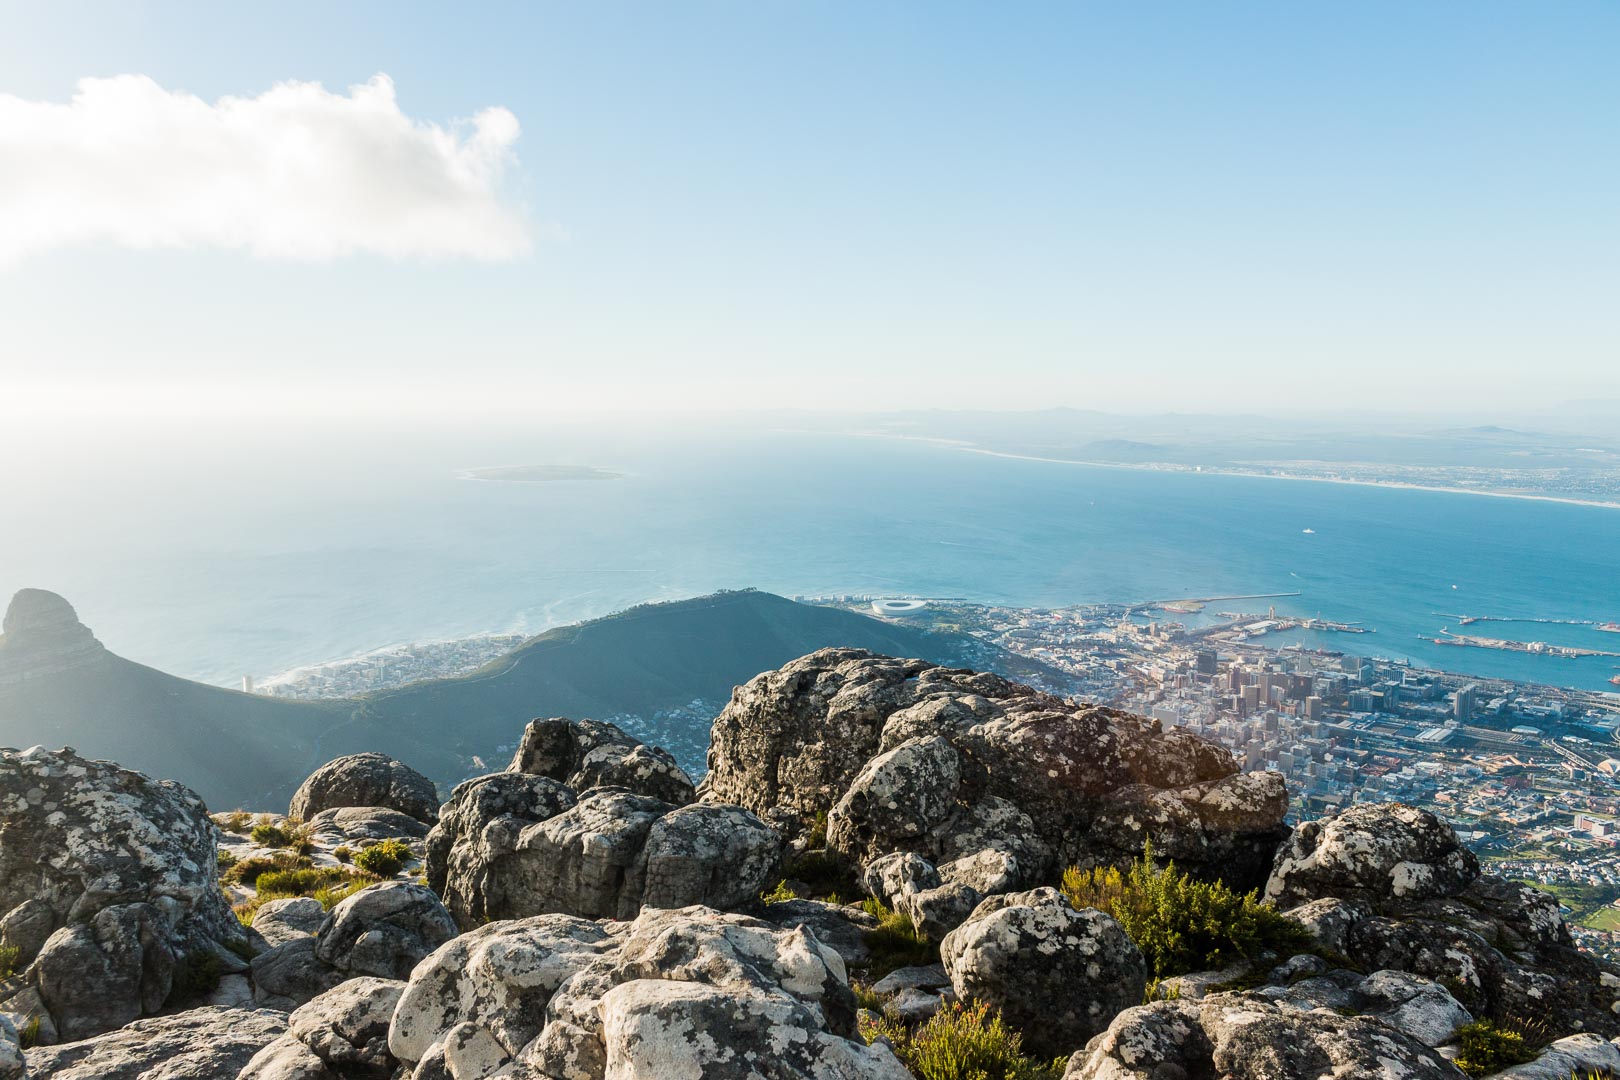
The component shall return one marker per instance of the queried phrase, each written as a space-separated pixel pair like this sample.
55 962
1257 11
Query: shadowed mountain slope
59 687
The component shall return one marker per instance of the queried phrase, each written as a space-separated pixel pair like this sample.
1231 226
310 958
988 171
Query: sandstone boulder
352 824
342 1033
108 883
585 754
1237 1035
201 1044
906 756
1057 974
692 991
384 930
517 844
1373 851
280 921
367 779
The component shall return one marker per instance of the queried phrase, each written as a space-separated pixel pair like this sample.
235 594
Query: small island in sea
541 474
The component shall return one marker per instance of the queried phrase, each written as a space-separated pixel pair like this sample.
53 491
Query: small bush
1487 1048
385 858
342 853
237 821
291 833
1180 924
10 957
28 1034
332 895
964 1042
895 943
248 871
817 837
224 859
780 894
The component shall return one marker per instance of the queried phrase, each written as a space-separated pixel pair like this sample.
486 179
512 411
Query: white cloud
297 172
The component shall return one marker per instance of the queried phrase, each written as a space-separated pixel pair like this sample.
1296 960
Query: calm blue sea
218 553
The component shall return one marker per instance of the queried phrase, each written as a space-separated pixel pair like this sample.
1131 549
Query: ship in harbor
1609 627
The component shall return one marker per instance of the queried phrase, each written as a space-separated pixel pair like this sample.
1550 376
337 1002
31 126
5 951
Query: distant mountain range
59 686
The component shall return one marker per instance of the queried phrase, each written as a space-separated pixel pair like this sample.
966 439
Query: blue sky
1123 206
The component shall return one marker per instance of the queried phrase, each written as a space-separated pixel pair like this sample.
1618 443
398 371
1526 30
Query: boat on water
1614 680
1308 532
1609 627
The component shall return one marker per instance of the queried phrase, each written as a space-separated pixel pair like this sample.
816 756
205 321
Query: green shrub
384 858
342 853
28 1034
963 1042
10 956
237 821
224 859
1181 924
331 896
1487 1048
780 894
291 833
817 837
895 942
248 871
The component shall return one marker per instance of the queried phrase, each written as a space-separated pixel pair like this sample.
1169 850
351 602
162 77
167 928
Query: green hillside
245 750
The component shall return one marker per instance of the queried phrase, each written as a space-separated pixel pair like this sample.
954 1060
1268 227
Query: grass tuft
963 1042
384 858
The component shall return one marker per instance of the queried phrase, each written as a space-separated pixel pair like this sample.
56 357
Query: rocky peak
43 634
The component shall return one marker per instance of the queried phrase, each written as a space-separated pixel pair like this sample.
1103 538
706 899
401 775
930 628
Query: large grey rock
718 856
281 921
1575 1057
384 930
288 975
840 927
1373 851
906 756
12 1065
1236 1035
477 833
516 844
349 824
347 1027
1057 974
367 779
683 992
201 1044
585 754
1417 1007
107 882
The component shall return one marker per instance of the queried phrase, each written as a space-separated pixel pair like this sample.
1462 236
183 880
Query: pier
1537 648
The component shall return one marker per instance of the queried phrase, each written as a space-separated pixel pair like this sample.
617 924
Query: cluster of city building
383 668
1529 775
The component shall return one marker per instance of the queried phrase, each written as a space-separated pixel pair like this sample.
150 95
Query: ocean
240 549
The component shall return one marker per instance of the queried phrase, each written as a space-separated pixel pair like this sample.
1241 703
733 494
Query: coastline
1398 485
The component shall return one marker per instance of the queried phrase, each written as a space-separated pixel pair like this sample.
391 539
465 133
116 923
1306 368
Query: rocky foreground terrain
892 869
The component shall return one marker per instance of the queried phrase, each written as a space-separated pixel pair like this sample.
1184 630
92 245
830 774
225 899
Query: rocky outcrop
1238 1035
109 884
201 1044
366 780
1374 852
341 1034
359 824
1000 781
42 635
522 843
684 992
383 931
585 754
1390 887
1057 974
